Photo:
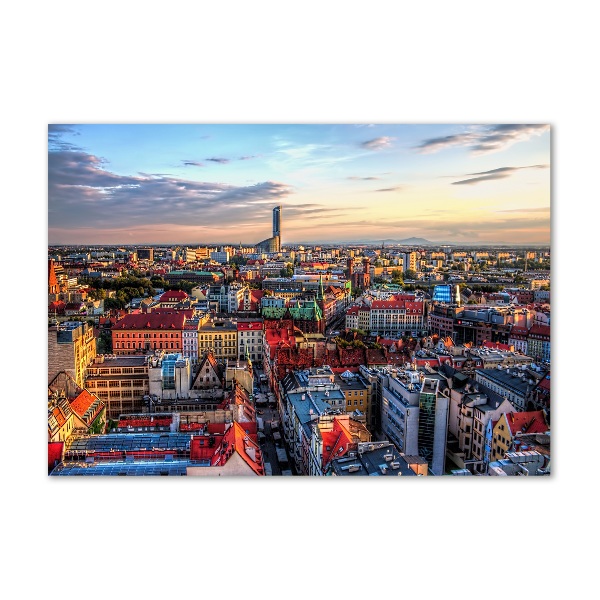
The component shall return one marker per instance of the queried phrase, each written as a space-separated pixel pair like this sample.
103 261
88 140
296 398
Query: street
267 414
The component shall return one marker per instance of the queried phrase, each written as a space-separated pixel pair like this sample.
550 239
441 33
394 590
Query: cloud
378 143
391 189
221 161
81 191
248 157
499 173
525 210
55 133
353 178
192 163
484 139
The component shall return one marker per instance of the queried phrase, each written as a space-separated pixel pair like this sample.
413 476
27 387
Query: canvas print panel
299 300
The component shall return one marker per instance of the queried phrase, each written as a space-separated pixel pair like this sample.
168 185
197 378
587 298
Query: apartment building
220 336
414 415
71 347
250 339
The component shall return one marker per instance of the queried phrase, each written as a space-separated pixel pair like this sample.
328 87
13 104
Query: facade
190 340
220 336
250 339
333 436
83 411
220 257
514 384
199 277
145 333
511 426
357 393
470 414
71 347
414 416
538 343
397 317
121 382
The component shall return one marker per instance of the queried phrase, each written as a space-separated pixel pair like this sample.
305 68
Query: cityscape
299 300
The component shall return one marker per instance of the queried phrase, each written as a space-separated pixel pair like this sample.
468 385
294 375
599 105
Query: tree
287 271
397 276
410 274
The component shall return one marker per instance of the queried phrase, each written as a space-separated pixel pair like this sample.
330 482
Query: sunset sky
213 183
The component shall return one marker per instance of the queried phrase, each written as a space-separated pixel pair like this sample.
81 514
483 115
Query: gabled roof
208 360
86 406
237 440
335 442
527 422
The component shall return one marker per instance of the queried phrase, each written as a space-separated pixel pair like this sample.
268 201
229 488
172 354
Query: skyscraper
273 244
277 222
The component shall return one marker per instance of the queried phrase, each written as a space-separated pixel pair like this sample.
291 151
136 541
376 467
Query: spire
248 359
320 294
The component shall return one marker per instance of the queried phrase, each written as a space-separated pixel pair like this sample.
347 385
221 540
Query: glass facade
168 372
426 425
442 293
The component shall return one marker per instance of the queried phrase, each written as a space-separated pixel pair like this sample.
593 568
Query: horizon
348 184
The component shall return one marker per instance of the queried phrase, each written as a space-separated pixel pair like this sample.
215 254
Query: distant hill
412 241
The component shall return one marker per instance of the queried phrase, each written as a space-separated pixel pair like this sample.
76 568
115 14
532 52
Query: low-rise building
377 459
121 382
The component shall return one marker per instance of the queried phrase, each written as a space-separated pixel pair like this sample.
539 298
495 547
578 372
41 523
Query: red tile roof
543 330
151 321
250 326
174 296
497 346
81 403
527 422
337 440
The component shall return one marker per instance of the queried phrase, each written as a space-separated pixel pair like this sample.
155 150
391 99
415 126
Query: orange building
143 333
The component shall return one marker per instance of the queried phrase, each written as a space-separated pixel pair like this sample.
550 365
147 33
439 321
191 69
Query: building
211 449
472 408
515 384
121 382
199 277
273 244
220 336
538 343
250 339
528 464
145 254
510 426
377 459
147 332
172 299
333 436
414 414
405 315
190 340
71 347
357 393
87 411
221 257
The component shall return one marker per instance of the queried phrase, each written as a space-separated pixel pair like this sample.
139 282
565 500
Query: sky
213 183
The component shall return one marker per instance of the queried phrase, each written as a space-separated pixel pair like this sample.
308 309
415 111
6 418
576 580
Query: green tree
397 276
